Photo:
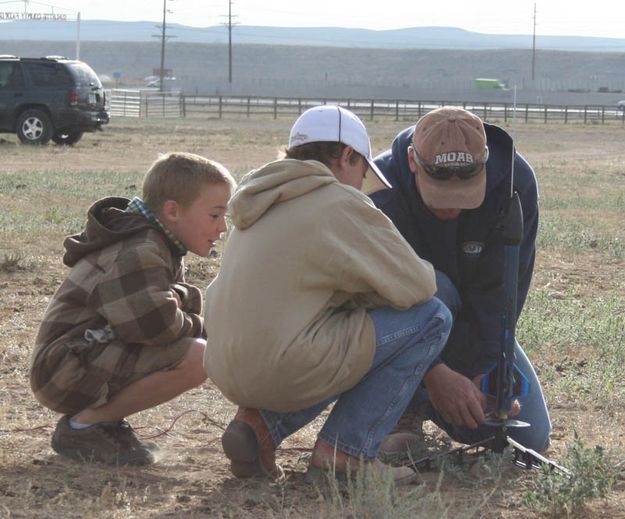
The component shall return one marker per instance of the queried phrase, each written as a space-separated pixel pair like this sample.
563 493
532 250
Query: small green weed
14 261
374 495
558 495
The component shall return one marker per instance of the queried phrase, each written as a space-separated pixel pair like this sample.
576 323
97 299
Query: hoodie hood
274 183
107 223
500 148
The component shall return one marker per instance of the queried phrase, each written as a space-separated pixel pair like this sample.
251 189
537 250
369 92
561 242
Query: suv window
84 74
48 74
10 75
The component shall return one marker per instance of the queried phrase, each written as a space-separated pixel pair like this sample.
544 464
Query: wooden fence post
397 110
527 111
371 116
249 102
566 114
220 107
545 114
585 114
275 107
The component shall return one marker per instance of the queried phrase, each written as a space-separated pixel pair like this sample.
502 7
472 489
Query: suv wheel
67 138
34 127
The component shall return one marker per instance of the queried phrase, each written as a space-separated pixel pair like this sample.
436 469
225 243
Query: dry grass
579 284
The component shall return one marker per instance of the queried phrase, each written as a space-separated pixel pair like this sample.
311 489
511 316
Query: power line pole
164 37
230 24
161 84
534 44
229 41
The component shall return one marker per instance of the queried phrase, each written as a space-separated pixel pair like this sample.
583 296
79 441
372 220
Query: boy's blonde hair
179 176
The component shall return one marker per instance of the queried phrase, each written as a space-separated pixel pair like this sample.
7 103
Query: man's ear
170 211
411 163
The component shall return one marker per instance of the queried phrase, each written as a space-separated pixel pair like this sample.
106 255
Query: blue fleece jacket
468 249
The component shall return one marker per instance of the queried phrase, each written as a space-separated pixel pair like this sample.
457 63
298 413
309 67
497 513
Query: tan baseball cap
449 146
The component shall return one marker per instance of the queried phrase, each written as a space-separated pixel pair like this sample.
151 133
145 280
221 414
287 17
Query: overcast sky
553 17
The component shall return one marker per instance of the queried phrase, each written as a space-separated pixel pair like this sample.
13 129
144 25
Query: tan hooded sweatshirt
286 317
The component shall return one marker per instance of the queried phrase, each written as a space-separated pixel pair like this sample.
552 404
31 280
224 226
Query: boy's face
199 225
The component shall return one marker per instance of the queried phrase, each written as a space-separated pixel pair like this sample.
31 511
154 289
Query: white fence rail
145 103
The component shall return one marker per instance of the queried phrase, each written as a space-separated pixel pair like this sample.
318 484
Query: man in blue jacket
451 176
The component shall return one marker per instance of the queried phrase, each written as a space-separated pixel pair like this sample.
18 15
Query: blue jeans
533 406
406 343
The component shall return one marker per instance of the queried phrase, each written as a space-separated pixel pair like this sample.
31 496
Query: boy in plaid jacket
123 332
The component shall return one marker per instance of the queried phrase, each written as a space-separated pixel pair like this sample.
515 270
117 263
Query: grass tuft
15 261
593 476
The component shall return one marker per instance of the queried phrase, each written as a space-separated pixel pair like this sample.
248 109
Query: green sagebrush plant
593 476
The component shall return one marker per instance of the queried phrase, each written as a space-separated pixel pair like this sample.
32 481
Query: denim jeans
406 343
533 406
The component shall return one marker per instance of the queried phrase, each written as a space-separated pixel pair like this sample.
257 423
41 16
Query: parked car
620 105
50 98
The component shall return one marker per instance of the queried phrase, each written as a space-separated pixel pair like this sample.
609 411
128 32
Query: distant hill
411 38
561 77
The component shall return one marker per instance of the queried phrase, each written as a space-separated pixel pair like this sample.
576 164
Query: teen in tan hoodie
318 298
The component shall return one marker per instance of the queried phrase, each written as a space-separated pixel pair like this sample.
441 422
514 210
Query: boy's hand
190 297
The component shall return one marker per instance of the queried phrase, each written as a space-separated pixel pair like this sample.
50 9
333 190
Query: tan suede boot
249 446
406 438
328 460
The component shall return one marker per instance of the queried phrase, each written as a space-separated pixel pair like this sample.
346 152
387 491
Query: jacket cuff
434 363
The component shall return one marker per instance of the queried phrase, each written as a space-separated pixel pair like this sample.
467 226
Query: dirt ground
192 478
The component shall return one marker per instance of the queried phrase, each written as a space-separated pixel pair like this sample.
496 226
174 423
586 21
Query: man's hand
458 399
515 407
455 397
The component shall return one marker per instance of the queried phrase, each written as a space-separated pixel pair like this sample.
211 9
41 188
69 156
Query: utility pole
230 24
534 44
164 37
229 41
161 84
78 35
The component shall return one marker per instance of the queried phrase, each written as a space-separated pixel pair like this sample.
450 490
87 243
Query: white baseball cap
331 123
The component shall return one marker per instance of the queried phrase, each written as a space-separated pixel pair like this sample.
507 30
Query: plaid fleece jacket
127 274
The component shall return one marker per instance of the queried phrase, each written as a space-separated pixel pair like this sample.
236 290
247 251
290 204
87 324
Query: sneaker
249 446
107 442
326 460
407 436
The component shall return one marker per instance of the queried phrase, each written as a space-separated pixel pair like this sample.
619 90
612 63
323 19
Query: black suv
50 98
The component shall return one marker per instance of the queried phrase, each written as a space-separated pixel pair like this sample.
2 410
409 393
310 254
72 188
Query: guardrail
175 104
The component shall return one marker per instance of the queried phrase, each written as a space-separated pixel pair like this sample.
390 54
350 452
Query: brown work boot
326 460
113 443
249 446
407 437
